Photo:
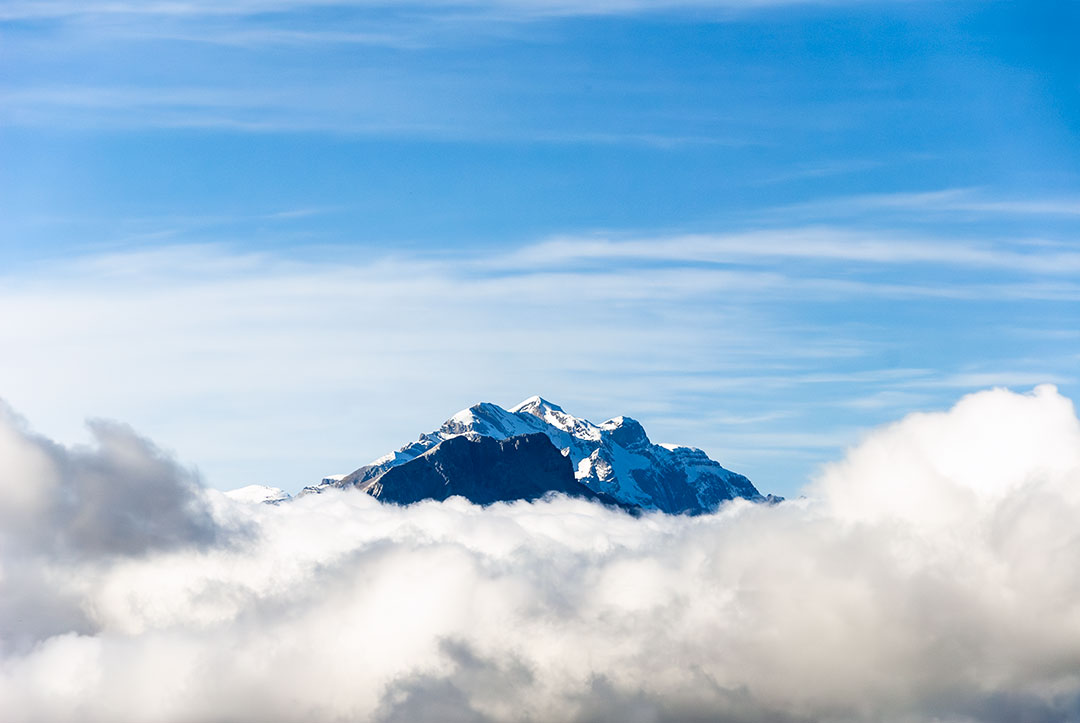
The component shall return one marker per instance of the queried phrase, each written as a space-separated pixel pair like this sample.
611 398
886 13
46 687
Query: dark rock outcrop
481 469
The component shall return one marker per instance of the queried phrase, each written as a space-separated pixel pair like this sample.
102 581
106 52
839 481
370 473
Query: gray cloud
121 496
64 508
930 575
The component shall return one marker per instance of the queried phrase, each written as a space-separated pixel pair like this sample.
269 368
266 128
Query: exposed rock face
481 469
614 461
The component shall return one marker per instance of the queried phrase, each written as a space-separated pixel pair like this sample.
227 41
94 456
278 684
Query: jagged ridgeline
489 454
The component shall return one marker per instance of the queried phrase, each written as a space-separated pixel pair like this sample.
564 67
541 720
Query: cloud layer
932 574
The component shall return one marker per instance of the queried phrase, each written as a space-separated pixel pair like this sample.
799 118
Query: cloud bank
931 575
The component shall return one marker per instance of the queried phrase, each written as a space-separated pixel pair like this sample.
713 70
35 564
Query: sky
282 238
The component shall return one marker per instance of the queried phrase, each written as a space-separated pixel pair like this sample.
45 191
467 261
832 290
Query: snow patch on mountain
256 494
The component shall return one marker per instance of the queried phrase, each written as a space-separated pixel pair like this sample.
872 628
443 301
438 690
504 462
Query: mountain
614 460
481 469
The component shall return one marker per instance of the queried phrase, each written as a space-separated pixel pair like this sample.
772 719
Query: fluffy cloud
66 511
122 496
930 575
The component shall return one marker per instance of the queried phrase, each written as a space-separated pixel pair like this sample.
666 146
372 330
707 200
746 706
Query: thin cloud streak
829 244
948 200
381 109
743 263
518 9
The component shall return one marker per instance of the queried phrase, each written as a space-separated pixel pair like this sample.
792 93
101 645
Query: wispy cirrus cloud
948 200
811 244
378 104
381 107
21 9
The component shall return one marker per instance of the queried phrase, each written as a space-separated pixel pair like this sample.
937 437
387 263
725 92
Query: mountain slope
482 469
614 459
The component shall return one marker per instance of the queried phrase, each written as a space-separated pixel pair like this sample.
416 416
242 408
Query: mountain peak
626 431
485 419
553 415
470 414
534 404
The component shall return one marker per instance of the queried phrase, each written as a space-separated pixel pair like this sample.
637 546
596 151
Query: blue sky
284 237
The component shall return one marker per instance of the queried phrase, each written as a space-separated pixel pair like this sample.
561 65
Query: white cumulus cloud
934 574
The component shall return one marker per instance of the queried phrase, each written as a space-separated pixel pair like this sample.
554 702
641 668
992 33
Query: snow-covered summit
534 403
256 494
554 415
614 459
